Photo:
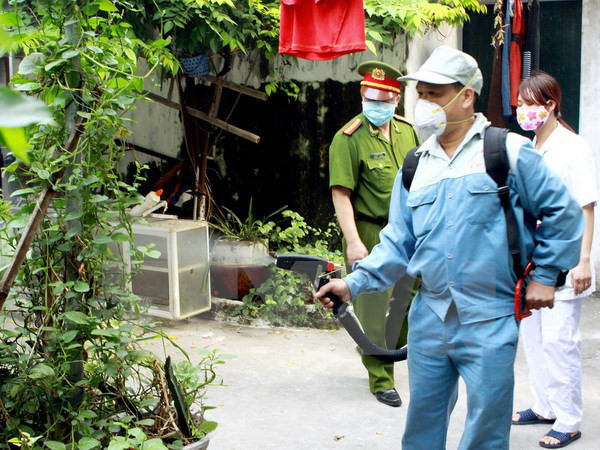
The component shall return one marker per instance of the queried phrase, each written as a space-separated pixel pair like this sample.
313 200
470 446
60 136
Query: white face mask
430 117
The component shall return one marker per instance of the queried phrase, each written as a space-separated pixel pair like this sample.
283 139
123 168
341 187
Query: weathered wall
590 96
154 126
290 164
341 69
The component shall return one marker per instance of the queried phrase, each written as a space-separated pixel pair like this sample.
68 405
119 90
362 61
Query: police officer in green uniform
364 157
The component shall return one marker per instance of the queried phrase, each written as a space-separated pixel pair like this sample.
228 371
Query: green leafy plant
249 229
17 111
285 298
388 19
184 417
292 234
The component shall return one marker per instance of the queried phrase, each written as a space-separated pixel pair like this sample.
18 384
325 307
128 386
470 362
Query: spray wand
320 271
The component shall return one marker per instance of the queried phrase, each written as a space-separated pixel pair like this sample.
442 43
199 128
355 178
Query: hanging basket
195 65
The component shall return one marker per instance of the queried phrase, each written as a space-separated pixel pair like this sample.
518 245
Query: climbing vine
75 372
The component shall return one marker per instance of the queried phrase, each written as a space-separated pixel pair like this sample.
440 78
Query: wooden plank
146 151
24 245
189 141
203 116
216 102
236 87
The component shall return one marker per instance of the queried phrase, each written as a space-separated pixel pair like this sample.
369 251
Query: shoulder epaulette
403 119
352 127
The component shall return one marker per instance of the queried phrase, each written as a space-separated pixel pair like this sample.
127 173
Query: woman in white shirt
551 337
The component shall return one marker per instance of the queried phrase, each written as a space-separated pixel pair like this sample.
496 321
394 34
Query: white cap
447 65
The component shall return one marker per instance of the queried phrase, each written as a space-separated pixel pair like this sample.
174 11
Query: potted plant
239 256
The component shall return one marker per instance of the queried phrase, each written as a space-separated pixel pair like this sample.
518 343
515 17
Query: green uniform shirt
362 159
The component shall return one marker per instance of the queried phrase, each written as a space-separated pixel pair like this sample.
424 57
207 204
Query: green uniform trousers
372 310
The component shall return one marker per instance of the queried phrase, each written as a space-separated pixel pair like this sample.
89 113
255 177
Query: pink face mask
532 117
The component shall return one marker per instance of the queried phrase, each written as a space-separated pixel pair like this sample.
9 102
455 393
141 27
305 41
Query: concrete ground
298 389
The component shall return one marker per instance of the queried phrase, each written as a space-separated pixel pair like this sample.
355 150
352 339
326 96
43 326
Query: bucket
195 65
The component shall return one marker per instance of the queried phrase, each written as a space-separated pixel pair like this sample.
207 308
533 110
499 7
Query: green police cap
379 80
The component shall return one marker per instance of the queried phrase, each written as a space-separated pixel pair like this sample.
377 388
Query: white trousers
551 339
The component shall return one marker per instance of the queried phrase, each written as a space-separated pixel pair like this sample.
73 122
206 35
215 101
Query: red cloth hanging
516 61
321 29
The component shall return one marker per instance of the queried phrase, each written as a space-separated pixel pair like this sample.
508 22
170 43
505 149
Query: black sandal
564 439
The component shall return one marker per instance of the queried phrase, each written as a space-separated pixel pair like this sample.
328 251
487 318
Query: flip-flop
528 417
564 439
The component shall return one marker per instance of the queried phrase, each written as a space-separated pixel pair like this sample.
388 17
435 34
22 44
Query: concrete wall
159 128
154 126
590 97
341 69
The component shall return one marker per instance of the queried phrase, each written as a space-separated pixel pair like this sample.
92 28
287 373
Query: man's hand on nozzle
338 287
539 295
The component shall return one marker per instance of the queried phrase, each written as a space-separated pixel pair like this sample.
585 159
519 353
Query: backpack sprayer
320 271
497 167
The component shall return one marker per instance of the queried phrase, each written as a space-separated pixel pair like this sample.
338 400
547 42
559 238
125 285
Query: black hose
355 331
349 322
312 267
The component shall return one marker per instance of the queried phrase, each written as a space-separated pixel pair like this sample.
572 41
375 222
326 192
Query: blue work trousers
483 354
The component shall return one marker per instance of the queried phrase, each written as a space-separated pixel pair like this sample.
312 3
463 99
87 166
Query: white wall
590 96
158 127
341 69
155 126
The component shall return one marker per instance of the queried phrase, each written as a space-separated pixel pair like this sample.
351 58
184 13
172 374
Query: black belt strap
375 220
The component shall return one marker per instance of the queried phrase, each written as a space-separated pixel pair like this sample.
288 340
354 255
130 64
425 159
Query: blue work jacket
450 232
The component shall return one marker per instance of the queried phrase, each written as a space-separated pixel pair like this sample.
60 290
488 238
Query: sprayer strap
409 167
497 167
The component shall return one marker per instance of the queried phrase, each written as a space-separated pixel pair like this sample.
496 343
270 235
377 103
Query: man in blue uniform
449 230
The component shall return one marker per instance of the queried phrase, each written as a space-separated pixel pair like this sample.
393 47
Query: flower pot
236 267
202 443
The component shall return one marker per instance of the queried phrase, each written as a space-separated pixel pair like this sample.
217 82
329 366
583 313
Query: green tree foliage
218 26
387 19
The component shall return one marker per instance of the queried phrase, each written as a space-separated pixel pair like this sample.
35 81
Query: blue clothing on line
505 87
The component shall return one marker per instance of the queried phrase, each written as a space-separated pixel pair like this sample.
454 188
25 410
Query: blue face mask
378 113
